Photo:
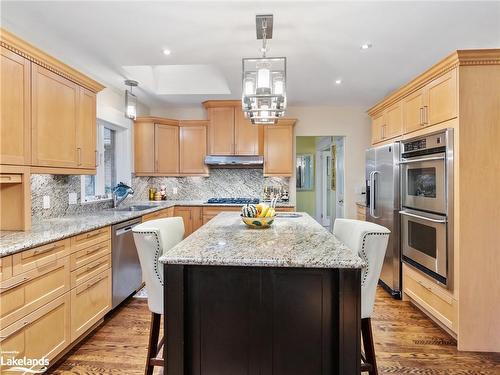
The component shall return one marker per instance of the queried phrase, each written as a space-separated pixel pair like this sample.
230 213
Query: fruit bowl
258 222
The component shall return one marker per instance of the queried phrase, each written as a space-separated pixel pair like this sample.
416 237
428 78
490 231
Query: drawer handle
95 265
90 251
41 251
25 278
93 234
91 284
24 324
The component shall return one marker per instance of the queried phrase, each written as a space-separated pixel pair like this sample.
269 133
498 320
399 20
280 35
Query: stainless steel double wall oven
426 170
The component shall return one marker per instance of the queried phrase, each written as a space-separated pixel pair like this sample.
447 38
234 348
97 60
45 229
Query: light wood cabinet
210 212
167 212
22 294
246 135
86 130
377 127
166 149
55 103
193 147
192 217
39 256
43 333
278 149
15 197
442 97
221 130
87 239
144 147
393 126
360 212
15 98
90 270
90 301
5 267
413 111
90 254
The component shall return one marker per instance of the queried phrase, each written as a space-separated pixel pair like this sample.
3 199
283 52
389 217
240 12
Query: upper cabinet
428 103
278 148
15 96
229 132
167 149
48 118
193 147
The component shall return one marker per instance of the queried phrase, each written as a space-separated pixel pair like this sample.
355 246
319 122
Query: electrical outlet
72 198
46 201
174 191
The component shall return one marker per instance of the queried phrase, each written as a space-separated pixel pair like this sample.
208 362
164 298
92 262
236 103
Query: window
99 186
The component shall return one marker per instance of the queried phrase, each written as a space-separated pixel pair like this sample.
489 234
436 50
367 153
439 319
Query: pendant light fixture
130 100
263 98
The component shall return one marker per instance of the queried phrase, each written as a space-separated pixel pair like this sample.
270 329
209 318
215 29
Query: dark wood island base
231 320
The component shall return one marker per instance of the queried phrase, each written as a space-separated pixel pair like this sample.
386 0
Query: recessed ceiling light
338 81
166 52
366 46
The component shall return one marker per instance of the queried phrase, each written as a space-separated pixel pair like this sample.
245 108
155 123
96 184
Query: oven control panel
430 144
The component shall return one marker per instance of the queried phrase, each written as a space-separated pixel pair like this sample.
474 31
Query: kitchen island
283 300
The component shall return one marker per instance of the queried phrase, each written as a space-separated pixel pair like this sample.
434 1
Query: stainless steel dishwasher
127 274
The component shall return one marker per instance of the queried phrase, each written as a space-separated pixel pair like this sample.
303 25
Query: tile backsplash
221 183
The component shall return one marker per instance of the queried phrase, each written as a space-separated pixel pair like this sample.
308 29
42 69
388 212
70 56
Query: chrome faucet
120 192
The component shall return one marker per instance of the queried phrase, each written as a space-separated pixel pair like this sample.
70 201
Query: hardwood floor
406 342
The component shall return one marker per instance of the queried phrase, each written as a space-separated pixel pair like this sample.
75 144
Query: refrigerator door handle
372 195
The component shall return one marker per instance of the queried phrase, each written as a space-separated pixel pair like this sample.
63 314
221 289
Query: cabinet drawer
430 297
167 212
34 258
87 272
285 209
22 294
5 267
43 333
90 301
85 240
90 254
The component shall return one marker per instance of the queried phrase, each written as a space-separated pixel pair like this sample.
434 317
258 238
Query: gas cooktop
233 200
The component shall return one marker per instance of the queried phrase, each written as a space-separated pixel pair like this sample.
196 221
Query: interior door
339 179
327 198
55 120
166 149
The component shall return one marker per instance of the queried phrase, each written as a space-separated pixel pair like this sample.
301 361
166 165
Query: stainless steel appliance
427 204
234 160
383 206
233 201
127 275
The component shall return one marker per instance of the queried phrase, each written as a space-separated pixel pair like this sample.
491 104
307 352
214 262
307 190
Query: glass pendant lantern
130 100
264 82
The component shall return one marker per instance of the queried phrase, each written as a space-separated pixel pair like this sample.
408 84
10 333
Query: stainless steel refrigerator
382 207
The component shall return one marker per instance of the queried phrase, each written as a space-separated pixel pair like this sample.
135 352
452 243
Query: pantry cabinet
15 96
193 148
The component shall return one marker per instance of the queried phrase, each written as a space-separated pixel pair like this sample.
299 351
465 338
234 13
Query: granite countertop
50 230
289 242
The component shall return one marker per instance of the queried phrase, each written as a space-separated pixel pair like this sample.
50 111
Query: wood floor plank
406 342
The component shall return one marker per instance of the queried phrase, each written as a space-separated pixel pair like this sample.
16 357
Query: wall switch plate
174 191
72 198
46 201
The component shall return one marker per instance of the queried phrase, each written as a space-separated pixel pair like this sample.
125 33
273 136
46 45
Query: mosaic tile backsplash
221 183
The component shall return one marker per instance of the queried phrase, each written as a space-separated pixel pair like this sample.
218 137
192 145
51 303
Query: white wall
353 123
110 108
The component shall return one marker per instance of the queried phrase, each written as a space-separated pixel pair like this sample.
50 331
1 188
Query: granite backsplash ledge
223 182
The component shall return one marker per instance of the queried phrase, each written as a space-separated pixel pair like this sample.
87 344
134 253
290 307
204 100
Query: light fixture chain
264 37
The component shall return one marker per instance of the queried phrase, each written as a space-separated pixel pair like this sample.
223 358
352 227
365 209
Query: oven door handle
421 159
442 221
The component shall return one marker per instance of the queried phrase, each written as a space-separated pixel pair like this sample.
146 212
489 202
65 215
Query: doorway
320 178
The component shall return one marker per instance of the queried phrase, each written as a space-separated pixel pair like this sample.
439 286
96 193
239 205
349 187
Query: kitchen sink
134 208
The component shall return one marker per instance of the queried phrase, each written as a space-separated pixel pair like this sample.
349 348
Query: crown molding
37 56
157 120
221 103
452 61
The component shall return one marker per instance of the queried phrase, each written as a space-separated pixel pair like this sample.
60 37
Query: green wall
306 200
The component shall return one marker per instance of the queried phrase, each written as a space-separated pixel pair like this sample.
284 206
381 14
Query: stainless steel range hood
234 161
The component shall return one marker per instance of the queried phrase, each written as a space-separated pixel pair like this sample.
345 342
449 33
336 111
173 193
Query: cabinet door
197 218
167 149
86 135
193 149
377 125
221 131
393 122
413 107
441 99
187 217
278 145
144 147
90 301
246 135
15 97
55 104
43 333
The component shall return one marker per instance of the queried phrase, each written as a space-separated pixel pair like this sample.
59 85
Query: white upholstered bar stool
369 240
152 239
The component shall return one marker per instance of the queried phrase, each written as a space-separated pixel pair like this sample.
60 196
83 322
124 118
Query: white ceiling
321 41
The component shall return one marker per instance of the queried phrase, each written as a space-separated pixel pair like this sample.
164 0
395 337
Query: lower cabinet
43 333
192 217
167 212
89 302
360 212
